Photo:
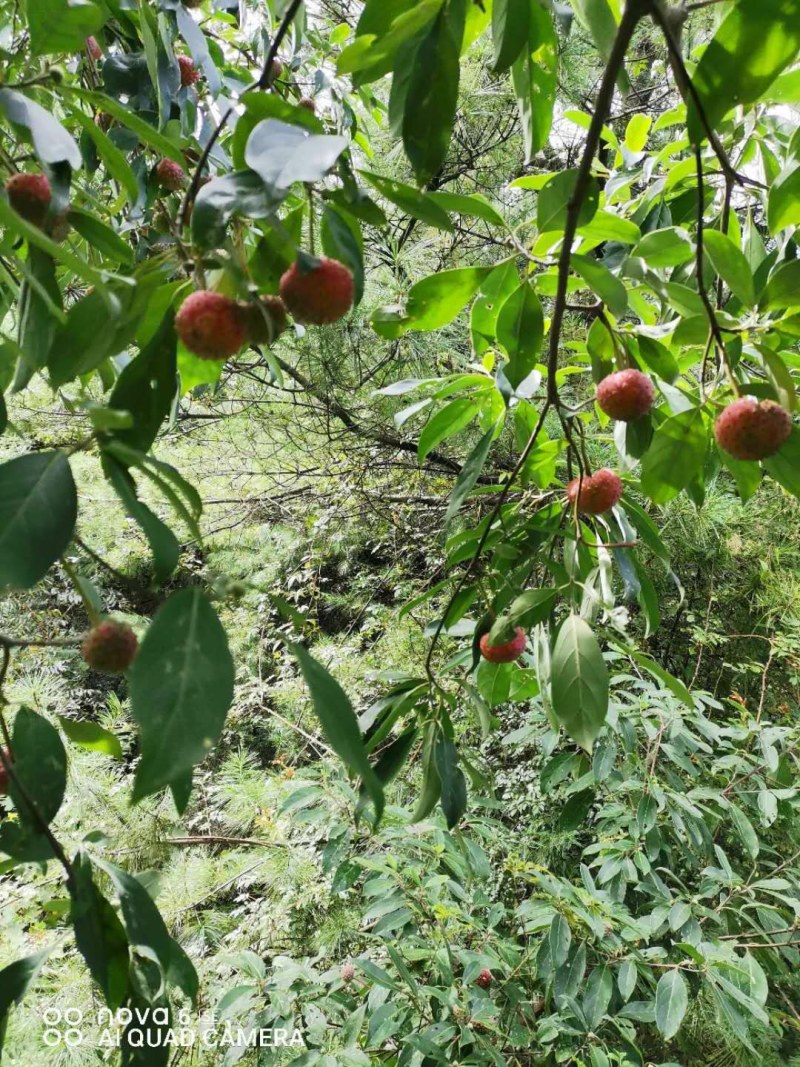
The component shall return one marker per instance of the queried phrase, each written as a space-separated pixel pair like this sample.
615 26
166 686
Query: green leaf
339 723
636 132
448 421
579 685
520 330
51 142
658 358
730 264
146 133
99 934
559 938
783 200
62 25
753 44
597 16
669 247
670 681
555 195
784 466
474 205
342 240
675 456
453 795
783 287
181 687
533 77
432 92
531 607
163 543
416 204
746 475
672 1000
384 26
40 763
243 193
602 282
436 300
91 736
597 998
745 831
470 473
38 511
101 237
15 980
147 931
147 387
509 31
494 291
112 158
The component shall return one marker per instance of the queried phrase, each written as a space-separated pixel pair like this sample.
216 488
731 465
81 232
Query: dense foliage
483 317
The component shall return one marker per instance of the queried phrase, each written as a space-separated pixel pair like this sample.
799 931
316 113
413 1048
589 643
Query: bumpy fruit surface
189 72
30 196
4 775
169 175
320 295
626 395
93 48
307 103
484 979
348 972
110 647
508 651
598 492
265 320
211 325
750 430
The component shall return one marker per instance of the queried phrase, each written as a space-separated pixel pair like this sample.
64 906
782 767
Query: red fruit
211 325
506 652
318 292
110 647
4 775
747 429
94 49
30 196
265 320
169 175
307 103
348 972
484 979
189 72
626 395
598 492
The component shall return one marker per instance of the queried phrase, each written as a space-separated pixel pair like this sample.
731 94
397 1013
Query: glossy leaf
520 330
579 684
181 687
38 511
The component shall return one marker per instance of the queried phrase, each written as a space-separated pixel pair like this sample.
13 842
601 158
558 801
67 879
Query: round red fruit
94 49
626 395
30 196
484 979
110 647
169 175
211 325
265 320
318 292
506 652
750 430
189 72
595 493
